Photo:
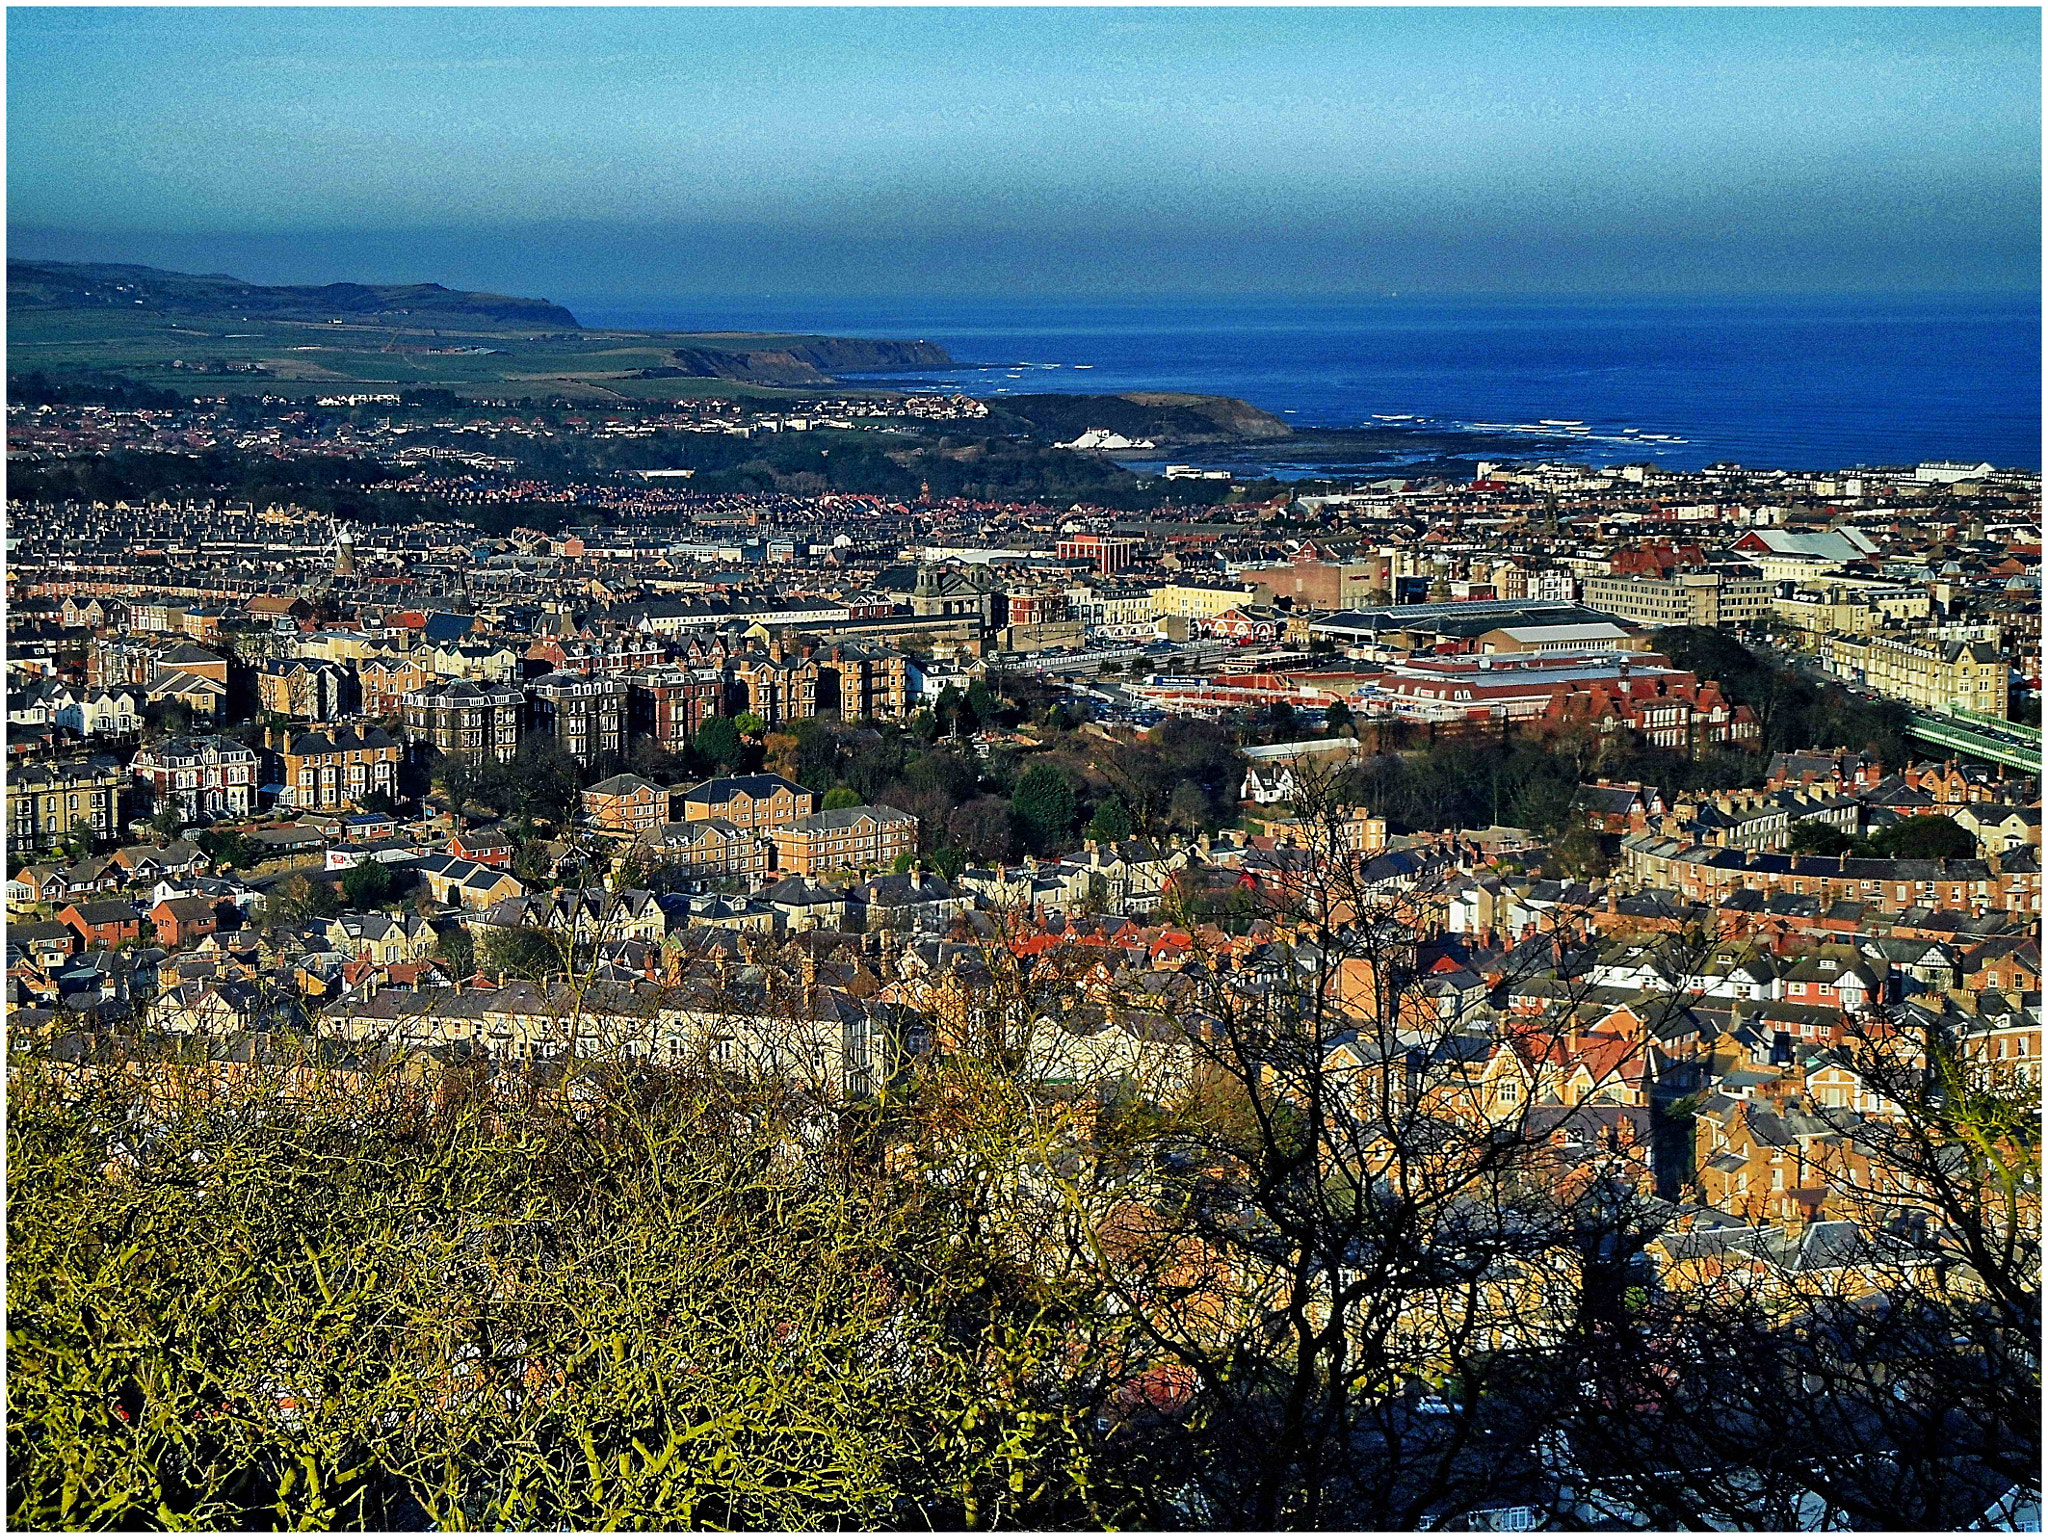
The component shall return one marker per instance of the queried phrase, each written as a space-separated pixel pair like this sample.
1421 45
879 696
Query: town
1684 822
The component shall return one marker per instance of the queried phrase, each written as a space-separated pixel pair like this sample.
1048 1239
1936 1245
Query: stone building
46 801
585 716
338 766
459 717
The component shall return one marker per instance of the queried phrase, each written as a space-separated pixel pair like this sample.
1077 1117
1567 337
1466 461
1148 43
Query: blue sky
601 152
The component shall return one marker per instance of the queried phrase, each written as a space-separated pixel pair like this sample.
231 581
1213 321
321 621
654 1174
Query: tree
718 742
1044 802
298 898
75 844
230 849
540 781
1812 836
1189 808
985 827
167 822
1337 716
528 953
1111 823
1924 838
460 777
749 725
455 948
622 1308
840 797
1580 854
366 883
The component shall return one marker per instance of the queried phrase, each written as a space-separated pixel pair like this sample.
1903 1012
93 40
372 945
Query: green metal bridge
2016 744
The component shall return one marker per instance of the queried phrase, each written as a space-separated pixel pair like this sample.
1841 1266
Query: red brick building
105 924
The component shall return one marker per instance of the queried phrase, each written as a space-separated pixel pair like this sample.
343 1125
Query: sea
1811 382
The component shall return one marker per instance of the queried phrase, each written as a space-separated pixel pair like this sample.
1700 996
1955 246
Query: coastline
1797 383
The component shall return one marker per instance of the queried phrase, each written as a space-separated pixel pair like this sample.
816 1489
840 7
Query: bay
1811 382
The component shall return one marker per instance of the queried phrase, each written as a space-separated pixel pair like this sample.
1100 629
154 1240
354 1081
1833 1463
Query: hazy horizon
1044 153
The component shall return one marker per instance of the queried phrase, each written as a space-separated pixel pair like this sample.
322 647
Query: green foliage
840 797
1913 838
1111 822
366 883
1923 838
75 844
296 899
541 780
749 725
817 754
718 742
454 946
1337 716
1812 836
1044 802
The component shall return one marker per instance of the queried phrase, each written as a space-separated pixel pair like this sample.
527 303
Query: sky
639 153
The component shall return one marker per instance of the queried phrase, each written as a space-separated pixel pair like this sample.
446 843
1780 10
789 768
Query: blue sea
1810 383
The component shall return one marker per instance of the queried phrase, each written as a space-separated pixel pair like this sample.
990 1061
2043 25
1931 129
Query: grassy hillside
165 328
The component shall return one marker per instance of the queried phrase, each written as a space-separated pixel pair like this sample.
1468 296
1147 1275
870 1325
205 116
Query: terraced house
45 802
753 803
852 838
1924 670
305 688
710 846
626 803
339 766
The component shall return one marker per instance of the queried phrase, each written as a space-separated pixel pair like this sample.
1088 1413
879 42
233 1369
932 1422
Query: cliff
33 286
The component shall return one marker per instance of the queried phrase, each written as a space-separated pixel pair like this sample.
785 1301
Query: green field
305 357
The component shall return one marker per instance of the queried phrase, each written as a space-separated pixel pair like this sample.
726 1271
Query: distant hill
33 286
1162 416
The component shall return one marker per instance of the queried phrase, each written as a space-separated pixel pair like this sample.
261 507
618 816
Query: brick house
625 803
755 802
711 846
182 920
104 924
852 838
483 846
338 766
